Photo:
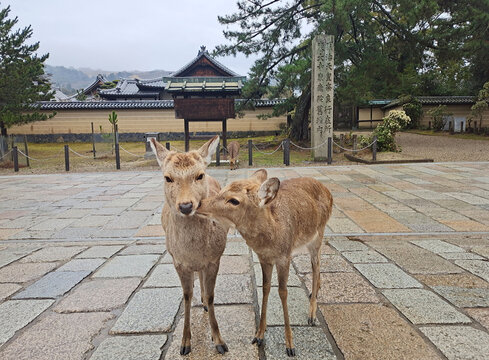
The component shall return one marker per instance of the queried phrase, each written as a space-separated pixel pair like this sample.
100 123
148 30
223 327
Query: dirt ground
440 148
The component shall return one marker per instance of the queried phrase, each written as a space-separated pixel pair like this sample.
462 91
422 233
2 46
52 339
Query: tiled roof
437 100
158 83
127 88
100 79
204 53
131 104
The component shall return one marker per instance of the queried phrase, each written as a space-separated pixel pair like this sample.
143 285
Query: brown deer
195 243
233 149
276 218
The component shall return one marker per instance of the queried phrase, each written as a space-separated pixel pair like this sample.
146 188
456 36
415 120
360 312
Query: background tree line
383 49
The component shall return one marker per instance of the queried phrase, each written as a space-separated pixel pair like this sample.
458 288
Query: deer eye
235 202
168 179
200 177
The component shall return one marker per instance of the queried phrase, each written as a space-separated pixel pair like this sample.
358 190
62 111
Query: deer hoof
259 342
290 351
311 321
222 349
185 350
206 309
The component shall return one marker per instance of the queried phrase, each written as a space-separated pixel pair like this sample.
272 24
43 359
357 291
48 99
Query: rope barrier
130 153
269 153
174 148
311 148
27 156
81 155
8 152
346 149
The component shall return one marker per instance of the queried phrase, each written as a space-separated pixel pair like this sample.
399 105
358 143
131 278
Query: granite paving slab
437 246
415 259
459 280
8 289
15 314
54 253
127 266
236 264
147 347
298 305
459 342
343 288
328 263
144 249
310 344
100 251
82 264
348 245
149 311
293 279
481 250
461 256
480 315
56 337
387 276
374 332
364 256
421 306
164 275
230 289
463 297
237 327
98 295
24 272
53 284
236 248
476 267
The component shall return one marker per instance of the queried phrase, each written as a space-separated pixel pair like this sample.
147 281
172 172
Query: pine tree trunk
300 122
3 128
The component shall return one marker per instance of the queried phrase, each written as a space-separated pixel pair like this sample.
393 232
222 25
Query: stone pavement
84 272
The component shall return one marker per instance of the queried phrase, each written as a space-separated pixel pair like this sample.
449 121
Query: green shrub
414 109
386 131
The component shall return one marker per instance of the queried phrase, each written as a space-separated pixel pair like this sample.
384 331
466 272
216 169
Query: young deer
233 148
195 243
276 218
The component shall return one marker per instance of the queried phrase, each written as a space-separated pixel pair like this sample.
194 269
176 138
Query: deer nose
185 208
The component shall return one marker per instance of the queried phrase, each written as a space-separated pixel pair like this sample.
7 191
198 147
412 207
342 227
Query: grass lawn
467 136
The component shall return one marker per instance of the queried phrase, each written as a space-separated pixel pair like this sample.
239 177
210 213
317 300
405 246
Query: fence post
167 146
93 141
67 158
354 141
117 154
15 155
3 146
374 149
342 142
429 125
218 154
286 152
330 150
26 151
250 152
12 144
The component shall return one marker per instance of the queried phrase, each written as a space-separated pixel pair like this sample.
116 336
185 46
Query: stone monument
322 78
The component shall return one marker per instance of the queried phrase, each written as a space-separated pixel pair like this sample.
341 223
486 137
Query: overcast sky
126 34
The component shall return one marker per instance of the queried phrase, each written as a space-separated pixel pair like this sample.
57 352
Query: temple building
199 98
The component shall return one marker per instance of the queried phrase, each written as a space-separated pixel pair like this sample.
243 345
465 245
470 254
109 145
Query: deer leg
210 275
283 275
266 270
202 290
314 251
187 280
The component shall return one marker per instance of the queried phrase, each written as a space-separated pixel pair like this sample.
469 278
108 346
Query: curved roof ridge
204 53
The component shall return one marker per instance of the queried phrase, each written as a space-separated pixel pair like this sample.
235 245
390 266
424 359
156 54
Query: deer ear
209 149
260 175
159 150
268 190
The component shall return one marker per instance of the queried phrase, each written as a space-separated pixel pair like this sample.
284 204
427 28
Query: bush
439 115
413 108
386 131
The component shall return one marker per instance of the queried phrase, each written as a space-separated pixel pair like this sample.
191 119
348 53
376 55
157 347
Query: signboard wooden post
322 94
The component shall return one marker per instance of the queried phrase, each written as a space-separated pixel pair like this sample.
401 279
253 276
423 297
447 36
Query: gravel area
443 148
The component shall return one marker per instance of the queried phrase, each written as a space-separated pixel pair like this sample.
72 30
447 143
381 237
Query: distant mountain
69 80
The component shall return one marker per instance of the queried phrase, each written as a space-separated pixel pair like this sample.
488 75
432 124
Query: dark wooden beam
224 134
187 135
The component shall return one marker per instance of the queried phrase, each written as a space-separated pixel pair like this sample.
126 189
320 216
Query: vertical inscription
322 93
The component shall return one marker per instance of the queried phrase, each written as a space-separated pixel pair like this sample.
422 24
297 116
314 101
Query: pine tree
22 79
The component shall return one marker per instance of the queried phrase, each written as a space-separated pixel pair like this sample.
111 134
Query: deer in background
233 150
276 218
195 243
